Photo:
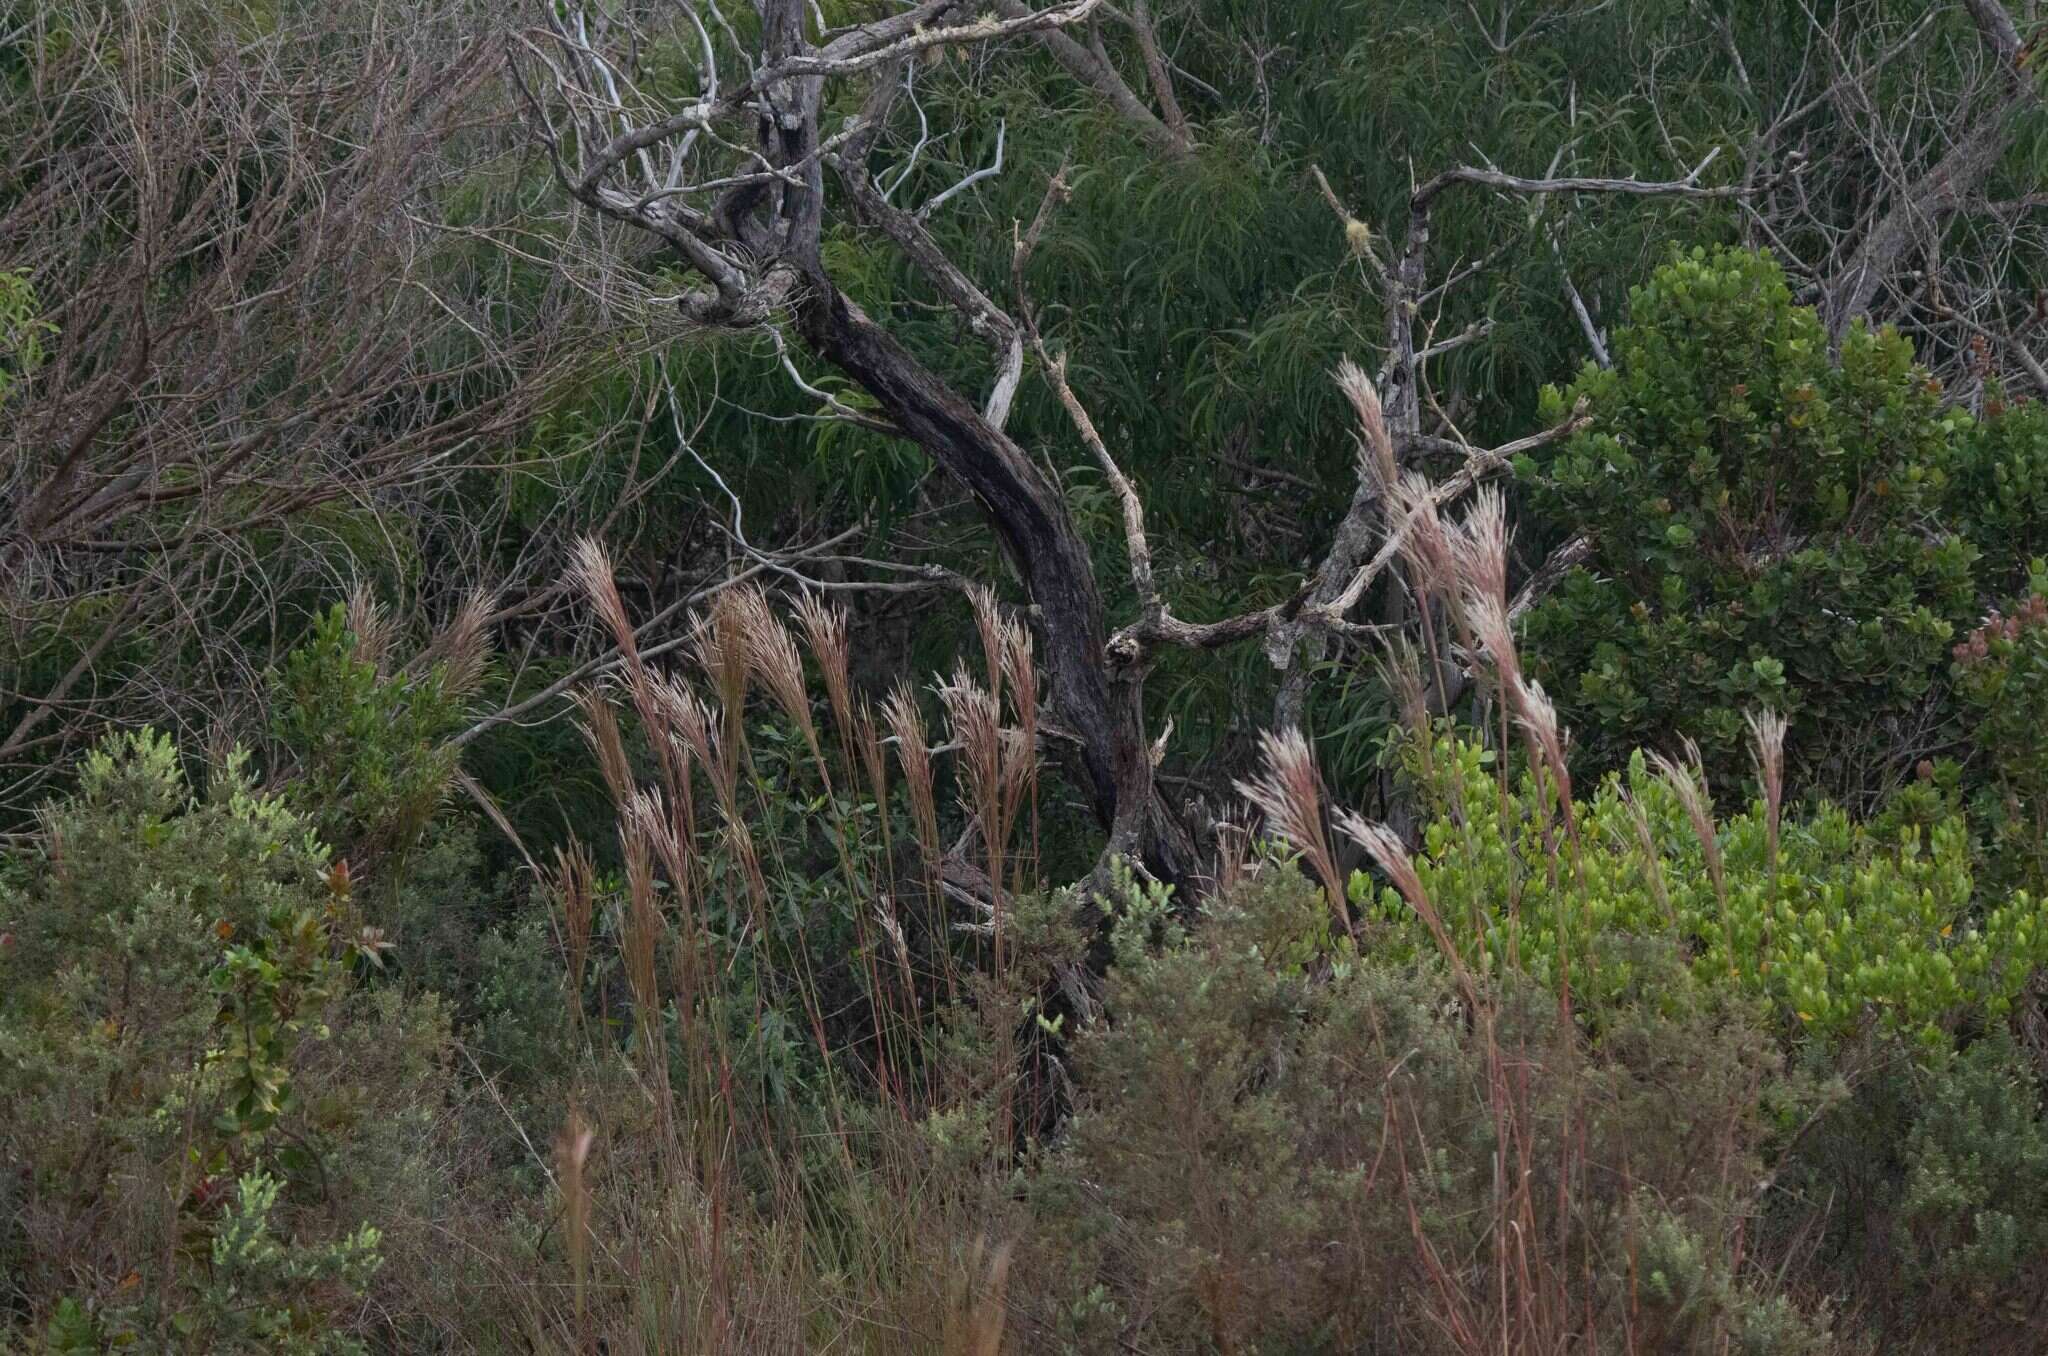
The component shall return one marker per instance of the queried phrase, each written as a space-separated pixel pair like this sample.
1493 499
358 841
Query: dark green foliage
1998 491
368 747
2001 675
1202 302
1774 527
1975 1200
1918 1195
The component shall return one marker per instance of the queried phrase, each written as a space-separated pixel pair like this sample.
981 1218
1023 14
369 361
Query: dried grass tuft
1688 781
464 645
1767 735
574 880
371 627
600 727
914 755
572 1154
988 625
590 568
1423 540
976 725
824 628
1289 793
641 936
1375 445
772 658
1479 545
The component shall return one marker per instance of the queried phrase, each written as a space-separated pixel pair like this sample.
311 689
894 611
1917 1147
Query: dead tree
731 178
1899 124
1414 420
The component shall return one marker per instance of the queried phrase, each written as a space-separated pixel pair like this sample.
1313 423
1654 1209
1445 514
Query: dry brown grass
700 1213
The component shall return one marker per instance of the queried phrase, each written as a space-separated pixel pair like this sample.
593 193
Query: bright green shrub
1771 526
1907 1173
1831 928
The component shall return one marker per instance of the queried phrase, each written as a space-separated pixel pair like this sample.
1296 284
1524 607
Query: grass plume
1288 791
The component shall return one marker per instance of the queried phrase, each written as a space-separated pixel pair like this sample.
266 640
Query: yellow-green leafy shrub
1825 920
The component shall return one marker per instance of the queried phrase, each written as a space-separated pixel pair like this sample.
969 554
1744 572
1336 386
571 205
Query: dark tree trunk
1103 710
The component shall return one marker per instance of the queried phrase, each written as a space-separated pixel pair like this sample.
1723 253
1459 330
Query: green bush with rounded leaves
1772 524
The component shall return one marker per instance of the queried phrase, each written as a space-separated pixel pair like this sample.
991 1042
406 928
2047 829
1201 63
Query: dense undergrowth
1608 1071
814 1055
1699 1009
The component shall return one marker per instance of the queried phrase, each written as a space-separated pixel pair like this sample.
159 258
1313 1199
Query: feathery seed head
1289 793
590 568
1767 735
1375 444
1479 545
465 644
824 628
1688 782
371 627
600 726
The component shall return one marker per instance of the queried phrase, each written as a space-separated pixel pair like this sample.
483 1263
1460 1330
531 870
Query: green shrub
1998 490
368 746
1772 525
1905 1171
1283 1145
1975 1199
2001 673
1824 921
206 1119
1920 1197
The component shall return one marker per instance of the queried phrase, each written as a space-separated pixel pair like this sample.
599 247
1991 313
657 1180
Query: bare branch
1156 71
1479 464
1137 548
1687 187
1092 70
1550 574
